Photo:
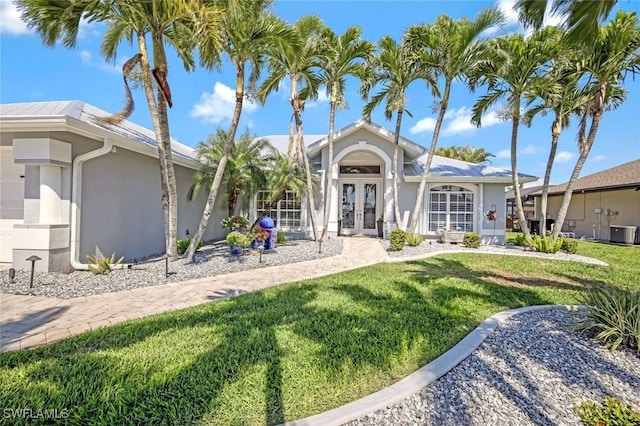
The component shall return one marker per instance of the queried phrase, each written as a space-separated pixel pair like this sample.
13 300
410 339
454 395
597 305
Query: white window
450 207
286 216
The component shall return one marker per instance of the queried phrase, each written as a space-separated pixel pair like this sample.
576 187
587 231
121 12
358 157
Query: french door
360 206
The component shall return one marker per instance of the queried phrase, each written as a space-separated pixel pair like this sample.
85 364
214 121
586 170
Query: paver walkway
31 321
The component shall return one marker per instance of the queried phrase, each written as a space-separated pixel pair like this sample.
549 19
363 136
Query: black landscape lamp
33 259
166 257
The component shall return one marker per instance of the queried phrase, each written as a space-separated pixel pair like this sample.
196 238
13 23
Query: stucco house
70 184
600 201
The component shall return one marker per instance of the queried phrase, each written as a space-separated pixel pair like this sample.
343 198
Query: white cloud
218 105
598 158
456 121
564 156
505 153
529 149
512 23
10 22
87 59
323 98
424 125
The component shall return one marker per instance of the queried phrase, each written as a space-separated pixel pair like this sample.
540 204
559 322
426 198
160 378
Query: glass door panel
348 205
369 208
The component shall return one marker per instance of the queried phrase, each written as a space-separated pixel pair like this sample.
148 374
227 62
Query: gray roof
281 142
448 167
86 113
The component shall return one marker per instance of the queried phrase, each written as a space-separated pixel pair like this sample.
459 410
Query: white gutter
76 202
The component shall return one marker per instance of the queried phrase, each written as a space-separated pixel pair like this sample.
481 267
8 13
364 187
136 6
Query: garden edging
424 376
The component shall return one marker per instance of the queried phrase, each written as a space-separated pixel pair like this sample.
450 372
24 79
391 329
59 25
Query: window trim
460 189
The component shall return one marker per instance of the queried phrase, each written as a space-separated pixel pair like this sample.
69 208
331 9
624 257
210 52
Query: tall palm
606 62
511 75
248 30
581 18
451 49
468 153
561 95
246 169
295 60
343 56
163 23
393 70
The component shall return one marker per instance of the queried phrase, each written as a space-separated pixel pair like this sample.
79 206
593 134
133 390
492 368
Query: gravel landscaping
431 247
210 260
533 370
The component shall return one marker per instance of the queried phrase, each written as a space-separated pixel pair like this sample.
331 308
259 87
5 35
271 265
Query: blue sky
203 100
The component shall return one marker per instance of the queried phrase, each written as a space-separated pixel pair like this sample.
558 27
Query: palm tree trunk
396 205
585 148
307 171
556 128
514 167
217 179
432 148
329 184
161 128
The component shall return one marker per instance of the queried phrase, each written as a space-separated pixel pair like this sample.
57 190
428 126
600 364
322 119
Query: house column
45 231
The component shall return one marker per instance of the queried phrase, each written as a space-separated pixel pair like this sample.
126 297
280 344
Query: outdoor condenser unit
622 234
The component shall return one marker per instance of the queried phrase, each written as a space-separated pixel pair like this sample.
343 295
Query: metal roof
444 167
86 113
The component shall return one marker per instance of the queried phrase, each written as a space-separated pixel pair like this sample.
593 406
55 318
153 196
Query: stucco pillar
45 232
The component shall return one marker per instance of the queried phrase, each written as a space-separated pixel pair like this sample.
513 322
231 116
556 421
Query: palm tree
247 32
511 75
393 69
296 60
451 50
342 57
581 18
283 176
605 62
468 153
561 94
246 169
172 22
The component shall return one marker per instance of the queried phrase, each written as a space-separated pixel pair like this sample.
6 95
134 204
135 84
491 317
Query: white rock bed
210 260
532 371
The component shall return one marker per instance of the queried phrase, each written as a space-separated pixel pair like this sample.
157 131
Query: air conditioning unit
622 234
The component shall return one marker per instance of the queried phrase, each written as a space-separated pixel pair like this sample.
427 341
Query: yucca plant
413 239
99 264
613 317
546 244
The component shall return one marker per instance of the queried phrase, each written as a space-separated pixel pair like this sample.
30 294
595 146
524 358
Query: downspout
76 201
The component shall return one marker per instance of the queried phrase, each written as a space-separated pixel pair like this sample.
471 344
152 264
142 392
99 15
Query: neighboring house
70 184
610 198
458 195
528 206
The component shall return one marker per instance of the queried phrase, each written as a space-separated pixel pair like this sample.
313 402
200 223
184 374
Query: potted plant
257 236
237 241
380 223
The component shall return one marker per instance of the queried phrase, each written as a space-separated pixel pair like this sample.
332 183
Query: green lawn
295 350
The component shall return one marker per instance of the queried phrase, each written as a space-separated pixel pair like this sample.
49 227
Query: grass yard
295 350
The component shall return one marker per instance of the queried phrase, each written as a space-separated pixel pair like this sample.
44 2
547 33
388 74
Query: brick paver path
31 321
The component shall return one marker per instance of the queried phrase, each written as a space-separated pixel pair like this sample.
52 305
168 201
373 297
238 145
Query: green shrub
99 264
613 317
413 240
235 238
546 244
612 413
519 240
183 245
471 240
397 239
281 238
569 245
